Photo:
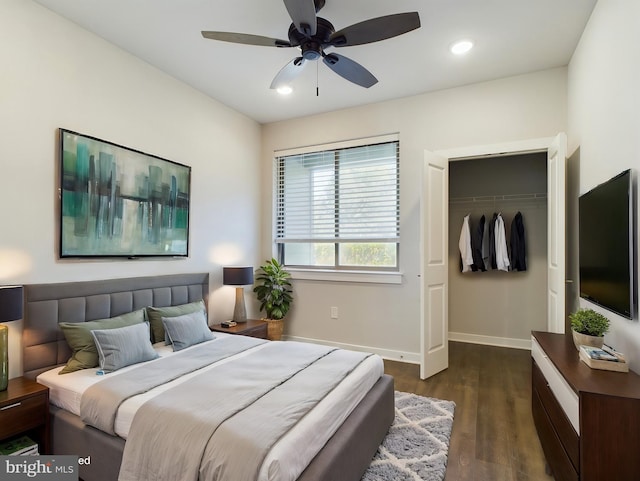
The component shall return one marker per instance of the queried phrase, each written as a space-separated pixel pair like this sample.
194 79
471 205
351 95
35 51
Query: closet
498 307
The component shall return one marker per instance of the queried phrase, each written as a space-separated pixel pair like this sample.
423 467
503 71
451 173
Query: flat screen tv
607 245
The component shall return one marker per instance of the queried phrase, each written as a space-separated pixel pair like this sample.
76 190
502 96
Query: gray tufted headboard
44 345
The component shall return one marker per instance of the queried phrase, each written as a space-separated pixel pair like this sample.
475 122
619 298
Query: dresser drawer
557 458
562 426
22 415
566 397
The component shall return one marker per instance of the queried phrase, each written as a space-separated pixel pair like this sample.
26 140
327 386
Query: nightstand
251 328
24 410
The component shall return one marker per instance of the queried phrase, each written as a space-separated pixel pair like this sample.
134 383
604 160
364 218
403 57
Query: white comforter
311 433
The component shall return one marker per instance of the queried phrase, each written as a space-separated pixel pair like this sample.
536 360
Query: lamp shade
10 303
237 276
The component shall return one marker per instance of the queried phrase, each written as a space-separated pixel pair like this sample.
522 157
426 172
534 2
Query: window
339 208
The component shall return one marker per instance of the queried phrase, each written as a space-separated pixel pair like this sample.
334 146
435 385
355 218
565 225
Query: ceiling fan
313 34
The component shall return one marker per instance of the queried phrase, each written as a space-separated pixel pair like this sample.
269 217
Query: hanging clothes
502 255
464 244
477 233
485 246
518 250
492 242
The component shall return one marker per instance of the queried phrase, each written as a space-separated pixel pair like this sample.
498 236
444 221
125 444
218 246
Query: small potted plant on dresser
273 289
588 328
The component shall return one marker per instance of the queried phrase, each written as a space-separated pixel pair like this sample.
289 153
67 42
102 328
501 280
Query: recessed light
284 90
461 47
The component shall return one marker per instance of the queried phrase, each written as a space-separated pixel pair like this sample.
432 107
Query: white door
434 329
556 169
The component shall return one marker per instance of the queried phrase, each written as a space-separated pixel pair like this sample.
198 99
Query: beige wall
55 74
381 317
604 119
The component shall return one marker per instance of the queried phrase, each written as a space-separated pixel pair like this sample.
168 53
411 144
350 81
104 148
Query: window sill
372 277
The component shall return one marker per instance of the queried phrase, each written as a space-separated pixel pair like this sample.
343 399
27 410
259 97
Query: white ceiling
511 37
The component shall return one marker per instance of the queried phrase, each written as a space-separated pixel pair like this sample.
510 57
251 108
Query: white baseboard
410 357
414 357
491 340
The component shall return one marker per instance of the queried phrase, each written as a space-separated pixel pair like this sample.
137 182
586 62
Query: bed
344 456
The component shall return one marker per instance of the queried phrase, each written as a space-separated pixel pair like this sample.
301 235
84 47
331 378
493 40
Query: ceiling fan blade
247 39
303 14
376 29
350 70
288 73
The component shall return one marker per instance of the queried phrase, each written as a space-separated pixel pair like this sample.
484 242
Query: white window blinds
339 195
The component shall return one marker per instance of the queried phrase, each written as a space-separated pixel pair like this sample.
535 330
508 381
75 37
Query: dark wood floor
493 438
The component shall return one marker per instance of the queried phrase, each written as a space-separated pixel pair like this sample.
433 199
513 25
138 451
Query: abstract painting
119 202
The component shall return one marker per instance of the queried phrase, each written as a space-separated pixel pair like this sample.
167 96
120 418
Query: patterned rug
416 446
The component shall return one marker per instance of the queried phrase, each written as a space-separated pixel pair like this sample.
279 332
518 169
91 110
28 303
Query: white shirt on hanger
465 245
502 255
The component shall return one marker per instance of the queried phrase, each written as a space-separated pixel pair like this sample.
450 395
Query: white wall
55 74
604 118
381 317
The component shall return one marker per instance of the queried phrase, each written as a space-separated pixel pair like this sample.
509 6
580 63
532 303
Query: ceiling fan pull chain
317 81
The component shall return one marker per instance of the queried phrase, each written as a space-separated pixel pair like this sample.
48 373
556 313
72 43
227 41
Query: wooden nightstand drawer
258 331
251 327
22 415
24 410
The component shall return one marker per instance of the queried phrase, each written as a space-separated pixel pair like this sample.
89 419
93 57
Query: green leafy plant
273 289
590 322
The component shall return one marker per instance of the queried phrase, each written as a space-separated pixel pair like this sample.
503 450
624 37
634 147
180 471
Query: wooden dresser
588 420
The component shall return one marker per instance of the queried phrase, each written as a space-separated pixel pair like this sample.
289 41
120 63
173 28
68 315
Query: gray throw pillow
124 346
155 315
187 330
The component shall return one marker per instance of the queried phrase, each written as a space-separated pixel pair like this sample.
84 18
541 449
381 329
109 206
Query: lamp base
4 357
239 312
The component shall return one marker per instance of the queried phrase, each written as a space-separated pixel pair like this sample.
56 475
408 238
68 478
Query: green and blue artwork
119 202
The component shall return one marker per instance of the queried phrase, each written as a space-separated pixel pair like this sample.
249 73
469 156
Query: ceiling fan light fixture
284 90
461 47
313 35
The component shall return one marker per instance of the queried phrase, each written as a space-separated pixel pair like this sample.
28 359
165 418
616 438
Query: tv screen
607 245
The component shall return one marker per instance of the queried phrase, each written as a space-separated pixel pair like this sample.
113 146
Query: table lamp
238 276
10 310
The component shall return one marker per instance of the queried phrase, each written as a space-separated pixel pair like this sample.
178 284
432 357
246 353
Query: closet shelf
499 198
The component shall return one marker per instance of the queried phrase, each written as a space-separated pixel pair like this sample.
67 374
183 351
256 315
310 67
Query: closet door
434 329
556 169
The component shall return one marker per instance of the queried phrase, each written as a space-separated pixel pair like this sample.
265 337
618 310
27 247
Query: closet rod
496 198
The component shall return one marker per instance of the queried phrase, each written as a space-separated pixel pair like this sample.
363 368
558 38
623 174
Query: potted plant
273 289
588 328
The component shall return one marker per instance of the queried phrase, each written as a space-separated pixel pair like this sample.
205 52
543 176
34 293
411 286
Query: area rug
417 444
